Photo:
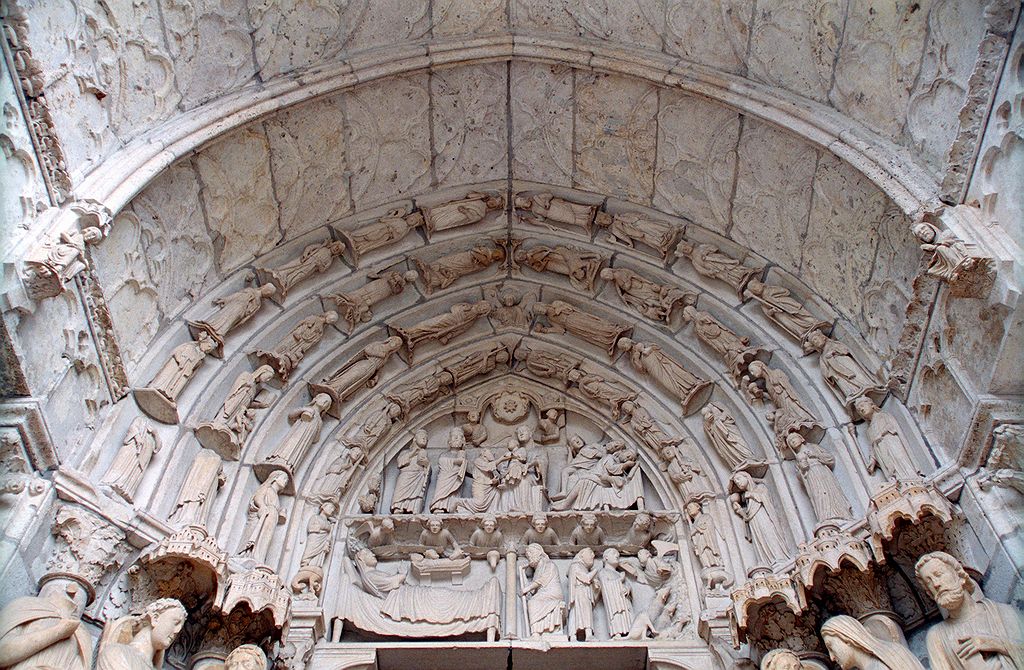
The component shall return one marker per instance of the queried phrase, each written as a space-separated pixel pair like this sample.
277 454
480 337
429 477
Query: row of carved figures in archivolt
55 261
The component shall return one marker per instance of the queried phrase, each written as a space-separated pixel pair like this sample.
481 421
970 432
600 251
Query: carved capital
87 545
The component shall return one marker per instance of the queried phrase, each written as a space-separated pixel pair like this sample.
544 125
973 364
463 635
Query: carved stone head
944 578
586 557
643 522
610 557
539 522
434 524
534 554
489 523
246 657
164 618
456 439
781 659
588 522
419 438
67 590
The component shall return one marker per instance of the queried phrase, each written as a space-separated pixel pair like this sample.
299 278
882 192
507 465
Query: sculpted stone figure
782 659
469 210
549 427
444 327
823 489
583 592
728 441
413 476
139 642
286 355
306 423
649 359
751 502
853 647
581 267
685 474
641 531
474 430
380 233
977 632
451 472
375 582
204 479
235 310
547 364
587 532
545 605
708 261
736 351
487 536
645 428
264 514
951 256
382 534
630 229
158 398
480 360
368 501
333 483
1004 465
227 432
486 479
46 631
558 210
315 259
314 555
648 298
612 394
844 375
615 594
509 307
380 415
779 305
790 415
356 306
439 540
360 371
564 318
612 482
889 452
55 263
445 271
246 657
424 390
140 444
540 533
706 542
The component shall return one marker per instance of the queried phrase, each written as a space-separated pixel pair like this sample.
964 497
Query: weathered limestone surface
470 134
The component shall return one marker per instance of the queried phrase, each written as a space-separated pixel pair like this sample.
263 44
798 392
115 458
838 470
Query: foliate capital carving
86 544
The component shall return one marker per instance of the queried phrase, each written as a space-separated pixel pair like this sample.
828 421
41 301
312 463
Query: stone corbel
53 262
305 627
910 500
956 254
194 546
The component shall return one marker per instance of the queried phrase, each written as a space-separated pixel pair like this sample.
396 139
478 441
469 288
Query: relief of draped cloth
413 475
450 476
546 606
31 614
617 604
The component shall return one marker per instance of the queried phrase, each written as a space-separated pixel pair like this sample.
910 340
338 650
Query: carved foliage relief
542 121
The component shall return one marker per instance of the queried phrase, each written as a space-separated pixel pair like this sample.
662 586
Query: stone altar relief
381 233
564 318
315 259
140 444
445 271
360 372
235 309
464 212
356 307
286 355
647 298
159 398
650 360
227 432
581 267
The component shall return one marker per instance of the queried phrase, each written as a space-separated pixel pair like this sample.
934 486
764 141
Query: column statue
139 642
46 631
263 516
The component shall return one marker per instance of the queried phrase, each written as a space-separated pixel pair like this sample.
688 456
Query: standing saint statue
46 631
545 605
315 258
615 594
264 514
306 423
583 592
356 306
413 476
459 318
204 479
630 228
125 472
286 355
140 642
729 443
790 415
360 371
751 502
650 299
823 489
649 359
314 555
976 633
451 472
159 398
235 310
708 261
889 452
706 542
779 305
564 318
386 230
227 432
844 375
